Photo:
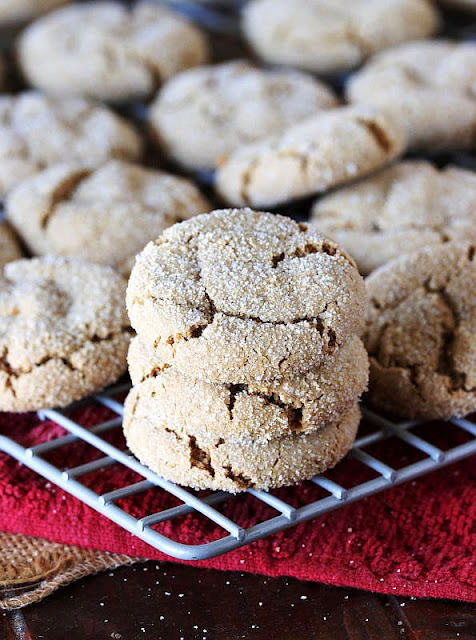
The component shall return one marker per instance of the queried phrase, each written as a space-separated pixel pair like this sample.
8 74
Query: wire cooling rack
336 496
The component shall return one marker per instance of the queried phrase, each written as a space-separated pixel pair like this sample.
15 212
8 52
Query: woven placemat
32 568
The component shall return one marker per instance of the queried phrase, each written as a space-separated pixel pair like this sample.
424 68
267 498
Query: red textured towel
417 539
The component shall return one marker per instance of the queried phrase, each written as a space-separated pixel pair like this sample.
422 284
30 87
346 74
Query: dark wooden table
174 602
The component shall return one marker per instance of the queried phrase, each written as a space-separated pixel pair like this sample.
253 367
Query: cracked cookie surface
202 461
312 156
255 411
327 36
430 87
16 12
105 215
421 333
9 247
63 332
238 295
398 210
37 131
203 114
119 53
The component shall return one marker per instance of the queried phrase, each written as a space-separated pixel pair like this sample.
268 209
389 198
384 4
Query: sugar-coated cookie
37 131
236 296
63 331
312 156
421 333
203 114
400 209
105 215
327 36
107 51
201 461
298 403
429 86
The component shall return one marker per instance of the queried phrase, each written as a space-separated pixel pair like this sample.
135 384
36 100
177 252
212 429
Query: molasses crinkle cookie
259 410
421 333
37 131
107 51
9 247
105 215
429 86
402 208
64 332
237 295
312 156
202 114
327 36
205 461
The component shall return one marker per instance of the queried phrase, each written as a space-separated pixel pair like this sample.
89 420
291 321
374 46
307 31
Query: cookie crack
293 412
378 133
243 481
63 192
200 458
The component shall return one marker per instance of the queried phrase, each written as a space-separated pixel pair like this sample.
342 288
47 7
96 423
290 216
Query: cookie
117 53
16 12
202 461
106 215
429 87
312 156
203 114
9 247
257 411
237 296
421 333
398 210
37 131
63 332
328 36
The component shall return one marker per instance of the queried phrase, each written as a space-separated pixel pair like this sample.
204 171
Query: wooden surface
174 602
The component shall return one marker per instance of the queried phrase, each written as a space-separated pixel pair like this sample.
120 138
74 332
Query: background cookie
9 247
63 332
37 131
429 86
214 463
421 333
238 295
14 12
105 215
256 411
398 210
315 155
202 114
327 36
117 53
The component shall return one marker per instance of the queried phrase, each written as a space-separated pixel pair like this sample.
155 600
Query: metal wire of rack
235 536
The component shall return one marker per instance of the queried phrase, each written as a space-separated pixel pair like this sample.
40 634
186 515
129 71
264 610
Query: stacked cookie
246 367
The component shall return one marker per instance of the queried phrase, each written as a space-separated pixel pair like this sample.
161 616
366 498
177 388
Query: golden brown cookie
237 295
300 403
203 114
106 215
63 332
202 461
421 333
9 247
312 156
327 36
37 131
107 51
429 86
398 210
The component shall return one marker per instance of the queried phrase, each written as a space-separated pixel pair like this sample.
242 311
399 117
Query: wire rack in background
336 496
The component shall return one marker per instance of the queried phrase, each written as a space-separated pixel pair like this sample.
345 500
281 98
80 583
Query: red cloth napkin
417 539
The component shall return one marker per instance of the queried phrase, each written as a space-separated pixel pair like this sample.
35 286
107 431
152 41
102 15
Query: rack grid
235 536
